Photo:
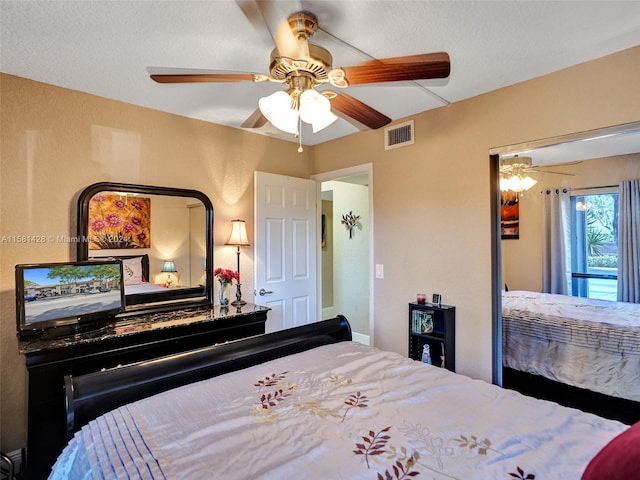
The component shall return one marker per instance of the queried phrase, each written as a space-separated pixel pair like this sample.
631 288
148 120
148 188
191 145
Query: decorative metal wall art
350 221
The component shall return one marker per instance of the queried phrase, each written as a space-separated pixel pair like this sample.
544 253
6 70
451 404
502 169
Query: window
594 245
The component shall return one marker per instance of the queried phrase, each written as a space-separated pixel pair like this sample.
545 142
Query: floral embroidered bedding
341 411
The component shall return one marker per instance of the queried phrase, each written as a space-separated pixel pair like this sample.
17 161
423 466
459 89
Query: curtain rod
569 189
594 188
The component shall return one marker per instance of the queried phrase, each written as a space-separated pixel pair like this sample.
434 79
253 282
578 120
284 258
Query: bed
138 288
309 403
586 343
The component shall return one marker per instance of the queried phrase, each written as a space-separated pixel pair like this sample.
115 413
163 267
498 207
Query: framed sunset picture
509 215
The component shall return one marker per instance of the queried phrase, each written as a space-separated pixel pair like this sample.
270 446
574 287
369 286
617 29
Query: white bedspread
343 411
144 287
587 343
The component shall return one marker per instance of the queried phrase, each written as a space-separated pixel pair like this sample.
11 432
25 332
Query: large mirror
164 237
565 307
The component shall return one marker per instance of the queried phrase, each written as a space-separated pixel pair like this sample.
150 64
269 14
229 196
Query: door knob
264 292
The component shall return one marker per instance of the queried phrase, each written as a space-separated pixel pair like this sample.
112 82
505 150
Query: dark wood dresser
127 340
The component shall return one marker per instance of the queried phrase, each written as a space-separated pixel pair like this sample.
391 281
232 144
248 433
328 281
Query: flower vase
222 295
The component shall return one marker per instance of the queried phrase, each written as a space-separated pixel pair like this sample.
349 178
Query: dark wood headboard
89 396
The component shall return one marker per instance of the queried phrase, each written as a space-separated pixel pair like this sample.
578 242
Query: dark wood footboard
89 396
614 408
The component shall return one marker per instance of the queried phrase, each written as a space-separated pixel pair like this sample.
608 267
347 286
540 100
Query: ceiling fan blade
537 170
272 17
553 165
202 77
255 120
251 10
350 108
412 67
288 45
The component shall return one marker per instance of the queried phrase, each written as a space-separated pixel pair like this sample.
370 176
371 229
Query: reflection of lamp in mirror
238 237
169 267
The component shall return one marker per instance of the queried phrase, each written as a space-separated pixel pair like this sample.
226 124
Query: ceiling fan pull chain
300 149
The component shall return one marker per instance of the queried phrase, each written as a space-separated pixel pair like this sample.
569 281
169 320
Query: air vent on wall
398 135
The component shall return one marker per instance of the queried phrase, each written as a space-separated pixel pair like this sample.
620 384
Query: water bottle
426 354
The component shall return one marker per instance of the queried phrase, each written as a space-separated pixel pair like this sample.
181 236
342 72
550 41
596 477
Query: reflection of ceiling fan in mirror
303 66
514 170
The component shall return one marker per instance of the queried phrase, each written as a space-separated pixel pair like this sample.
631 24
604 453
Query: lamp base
238 300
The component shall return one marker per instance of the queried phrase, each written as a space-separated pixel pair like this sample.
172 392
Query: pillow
619 459
132 270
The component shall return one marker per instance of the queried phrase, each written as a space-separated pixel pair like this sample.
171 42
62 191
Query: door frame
366 168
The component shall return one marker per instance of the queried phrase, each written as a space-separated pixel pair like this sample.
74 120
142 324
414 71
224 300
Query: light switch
379 270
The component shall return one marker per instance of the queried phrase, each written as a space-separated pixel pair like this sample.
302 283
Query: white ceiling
108 48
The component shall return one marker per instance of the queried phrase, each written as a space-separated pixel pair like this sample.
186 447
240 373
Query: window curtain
629 242
556 249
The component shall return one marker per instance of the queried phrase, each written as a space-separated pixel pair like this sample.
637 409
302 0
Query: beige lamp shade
238 235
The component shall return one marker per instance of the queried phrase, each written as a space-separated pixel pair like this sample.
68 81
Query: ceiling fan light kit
277 108
304 66
316 110
513 176
516 183
283 109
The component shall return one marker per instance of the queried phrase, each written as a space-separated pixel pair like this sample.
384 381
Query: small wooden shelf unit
434 325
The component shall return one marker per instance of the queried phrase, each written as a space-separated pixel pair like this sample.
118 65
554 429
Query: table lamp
169 267
238 237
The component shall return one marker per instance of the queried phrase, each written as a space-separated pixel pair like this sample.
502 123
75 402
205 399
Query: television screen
55 294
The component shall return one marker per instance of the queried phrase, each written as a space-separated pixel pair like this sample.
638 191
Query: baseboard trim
329 312
360 338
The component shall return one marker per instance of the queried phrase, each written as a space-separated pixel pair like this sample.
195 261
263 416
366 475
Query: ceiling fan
514 170
303 66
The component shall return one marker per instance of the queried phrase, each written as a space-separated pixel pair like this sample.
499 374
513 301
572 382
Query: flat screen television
75 294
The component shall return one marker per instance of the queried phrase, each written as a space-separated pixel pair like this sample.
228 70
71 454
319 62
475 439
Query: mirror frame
153 301
496 272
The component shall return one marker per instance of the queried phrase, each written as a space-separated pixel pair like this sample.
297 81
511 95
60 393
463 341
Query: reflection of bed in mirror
145 287
138 288
146 227
587 343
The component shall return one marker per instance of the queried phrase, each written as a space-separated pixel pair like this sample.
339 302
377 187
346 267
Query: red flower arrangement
226 277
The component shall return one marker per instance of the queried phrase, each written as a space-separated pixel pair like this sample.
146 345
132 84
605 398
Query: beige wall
55 142
522 258
431 199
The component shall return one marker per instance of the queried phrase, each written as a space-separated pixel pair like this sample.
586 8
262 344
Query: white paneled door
285 242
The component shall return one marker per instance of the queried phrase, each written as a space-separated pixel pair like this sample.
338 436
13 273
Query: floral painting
119 221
